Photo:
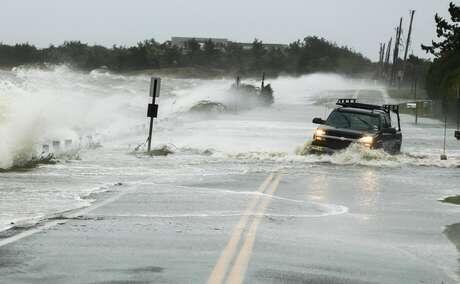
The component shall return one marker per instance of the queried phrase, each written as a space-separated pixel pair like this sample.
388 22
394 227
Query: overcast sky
359 24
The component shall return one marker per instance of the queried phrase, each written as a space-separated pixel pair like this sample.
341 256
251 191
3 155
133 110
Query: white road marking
51 223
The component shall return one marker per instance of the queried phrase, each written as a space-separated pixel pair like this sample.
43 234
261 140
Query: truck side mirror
389 130
318 120
457 134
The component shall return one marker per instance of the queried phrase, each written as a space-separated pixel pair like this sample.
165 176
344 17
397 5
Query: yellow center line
241 263
221 267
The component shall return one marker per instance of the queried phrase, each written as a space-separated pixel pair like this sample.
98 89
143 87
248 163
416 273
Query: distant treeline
312 54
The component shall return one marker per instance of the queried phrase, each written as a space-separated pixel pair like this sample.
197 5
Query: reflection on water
453 234
368 185
319 187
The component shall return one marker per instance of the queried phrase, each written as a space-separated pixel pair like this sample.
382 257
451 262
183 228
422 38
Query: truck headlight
319 132
368 140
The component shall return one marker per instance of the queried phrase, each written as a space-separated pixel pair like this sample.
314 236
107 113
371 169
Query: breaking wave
61 109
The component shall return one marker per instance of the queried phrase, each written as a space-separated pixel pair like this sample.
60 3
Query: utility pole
152 110
383 55
408 40
382 64
381 58
387 57
396 51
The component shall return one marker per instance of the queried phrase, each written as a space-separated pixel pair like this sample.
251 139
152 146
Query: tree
445 68
170 55
211 53
234 57
193 52
443 77
447 32
276 59
258 51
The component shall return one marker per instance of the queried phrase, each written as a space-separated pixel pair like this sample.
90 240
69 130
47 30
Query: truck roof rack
393 108
354 103
346 101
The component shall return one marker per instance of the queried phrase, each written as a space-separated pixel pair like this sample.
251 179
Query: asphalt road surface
317 227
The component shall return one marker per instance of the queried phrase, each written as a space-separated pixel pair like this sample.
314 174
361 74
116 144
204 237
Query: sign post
457 132
415 99
152 110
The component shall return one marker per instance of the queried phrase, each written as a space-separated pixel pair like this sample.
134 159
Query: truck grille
332 143
345 134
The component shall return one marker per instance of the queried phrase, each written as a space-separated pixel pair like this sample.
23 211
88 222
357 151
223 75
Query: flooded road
357 216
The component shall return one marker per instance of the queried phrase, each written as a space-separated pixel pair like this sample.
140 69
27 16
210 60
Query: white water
38 106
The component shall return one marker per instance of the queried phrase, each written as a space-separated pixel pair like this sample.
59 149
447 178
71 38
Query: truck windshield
353 120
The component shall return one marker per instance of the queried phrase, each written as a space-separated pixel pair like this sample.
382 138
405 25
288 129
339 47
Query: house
221 43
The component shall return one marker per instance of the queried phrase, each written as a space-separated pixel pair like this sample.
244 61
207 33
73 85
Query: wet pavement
312 227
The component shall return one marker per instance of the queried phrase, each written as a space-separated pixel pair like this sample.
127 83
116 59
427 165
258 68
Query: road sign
155 84
152 110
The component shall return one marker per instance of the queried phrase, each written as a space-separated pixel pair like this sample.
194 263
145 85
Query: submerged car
353 122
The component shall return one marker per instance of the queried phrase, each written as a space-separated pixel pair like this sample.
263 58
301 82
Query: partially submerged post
444 156
68 143
56 146
263 81
152 110
457 132
415 99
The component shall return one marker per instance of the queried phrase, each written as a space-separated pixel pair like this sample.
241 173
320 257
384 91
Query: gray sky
359 24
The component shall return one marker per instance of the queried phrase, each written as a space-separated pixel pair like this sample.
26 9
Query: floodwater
38 107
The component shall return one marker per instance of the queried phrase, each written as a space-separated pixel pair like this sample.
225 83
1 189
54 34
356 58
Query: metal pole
445 133
263 81
458 107
416 103
444 156
150 135
153 108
